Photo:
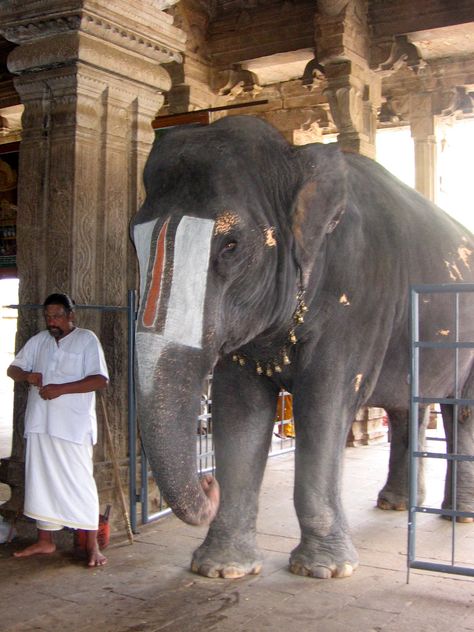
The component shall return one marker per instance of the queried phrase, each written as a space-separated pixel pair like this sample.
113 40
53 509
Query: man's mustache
53 330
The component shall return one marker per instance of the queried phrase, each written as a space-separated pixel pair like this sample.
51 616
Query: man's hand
35 379
19 375
51 391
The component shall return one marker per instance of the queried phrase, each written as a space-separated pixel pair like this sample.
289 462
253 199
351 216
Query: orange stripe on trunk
153 298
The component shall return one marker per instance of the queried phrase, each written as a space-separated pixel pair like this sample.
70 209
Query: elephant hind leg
460 440
394 494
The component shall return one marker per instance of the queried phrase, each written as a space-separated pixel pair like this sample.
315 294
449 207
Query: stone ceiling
438 30
275 39
449 41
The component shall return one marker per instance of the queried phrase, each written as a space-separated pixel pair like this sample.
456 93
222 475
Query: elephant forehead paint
173 278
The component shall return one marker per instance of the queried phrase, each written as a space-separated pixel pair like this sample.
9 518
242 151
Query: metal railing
456 345
283 442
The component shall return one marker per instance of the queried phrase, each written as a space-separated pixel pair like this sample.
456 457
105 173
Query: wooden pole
115 464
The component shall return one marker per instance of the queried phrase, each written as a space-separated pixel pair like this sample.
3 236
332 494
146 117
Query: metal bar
444 512
132 422
102 308
203 455
444 345
445 400
144 487
159 514
443 288
454 478
447 457
282 451
442 568
413 429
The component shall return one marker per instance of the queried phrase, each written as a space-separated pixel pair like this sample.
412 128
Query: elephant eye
229 247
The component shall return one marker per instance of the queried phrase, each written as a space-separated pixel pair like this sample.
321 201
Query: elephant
280 266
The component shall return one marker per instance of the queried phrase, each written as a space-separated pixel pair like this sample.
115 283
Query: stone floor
148 587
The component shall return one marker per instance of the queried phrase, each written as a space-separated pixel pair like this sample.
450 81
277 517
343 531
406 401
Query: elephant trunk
170 379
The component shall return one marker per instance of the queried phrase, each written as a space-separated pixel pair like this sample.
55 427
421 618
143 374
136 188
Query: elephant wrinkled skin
280 266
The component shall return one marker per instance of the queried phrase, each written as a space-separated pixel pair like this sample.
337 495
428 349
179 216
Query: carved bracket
403 53
236 81
456 100
313 71
394 110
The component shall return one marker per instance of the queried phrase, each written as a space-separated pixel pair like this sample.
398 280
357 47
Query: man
64 366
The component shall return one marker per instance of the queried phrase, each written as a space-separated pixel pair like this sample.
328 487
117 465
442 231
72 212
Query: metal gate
140 493
148 497
455 345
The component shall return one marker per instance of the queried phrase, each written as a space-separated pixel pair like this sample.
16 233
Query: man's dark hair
60 299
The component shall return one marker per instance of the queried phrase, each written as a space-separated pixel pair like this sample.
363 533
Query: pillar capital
342 30
353 89
110 35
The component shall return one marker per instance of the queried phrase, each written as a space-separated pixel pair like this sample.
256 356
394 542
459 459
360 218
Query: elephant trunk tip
208 509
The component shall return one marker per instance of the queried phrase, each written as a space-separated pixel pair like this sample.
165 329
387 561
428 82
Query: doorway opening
8 327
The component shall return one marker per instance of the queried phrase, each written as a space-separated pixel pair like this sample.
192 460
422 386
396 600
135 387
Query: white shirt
79 354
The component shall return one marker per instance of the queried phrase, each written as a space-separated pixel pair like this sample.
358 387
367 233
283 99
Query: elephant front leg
325 549
243 413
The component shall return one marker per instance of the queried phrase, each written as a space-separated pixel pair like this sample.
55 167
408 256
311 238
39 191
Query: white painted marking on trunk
184 318
142 234
149 347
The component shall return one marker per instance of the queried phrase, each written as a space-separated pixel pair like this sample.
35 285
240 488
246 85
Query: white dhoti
60 489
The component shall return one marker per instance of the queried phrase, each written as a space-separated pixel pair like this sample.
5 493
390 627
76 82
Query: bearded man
64 366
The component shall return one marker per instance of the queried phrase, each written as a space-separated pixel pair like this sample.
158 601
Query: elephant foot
461 519
383 503
228 563
392 501
323 564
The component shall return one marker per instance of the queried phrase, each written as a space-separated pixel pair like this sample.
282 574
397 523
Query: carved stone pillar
353 90
190 80
422 123
90 78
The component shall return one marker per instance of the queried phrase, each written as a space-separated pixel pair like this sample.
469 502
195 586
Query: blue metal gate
456 345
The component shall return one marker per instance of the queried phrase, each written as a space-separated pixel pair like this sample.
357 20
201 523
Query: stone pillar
353 89
422 123
190 88
91 81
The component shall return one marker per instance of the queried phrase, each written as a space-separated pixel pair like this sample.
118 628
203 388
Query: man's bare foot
96 558
41 547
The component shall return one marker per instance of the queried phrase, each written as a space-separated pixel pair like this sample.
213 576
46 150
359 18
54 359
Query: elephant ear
320 200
